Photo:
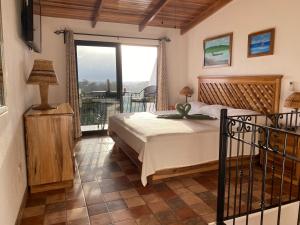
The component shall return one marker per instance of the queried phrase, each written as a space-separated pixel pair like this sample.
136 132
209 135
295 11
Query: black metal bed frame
257 165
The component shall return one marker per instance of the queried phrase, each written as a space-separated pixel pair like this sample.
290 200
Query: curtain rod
58 32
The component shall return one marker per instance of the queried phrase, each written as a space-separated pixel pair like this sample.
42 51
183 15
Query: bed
163 148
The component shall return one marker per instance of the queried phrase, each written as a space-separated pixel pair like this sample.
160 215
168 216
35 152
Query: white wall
54 49
18 62
243 17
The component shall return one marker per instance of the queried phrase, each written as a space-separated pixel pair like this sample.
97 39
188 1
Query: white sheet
164 144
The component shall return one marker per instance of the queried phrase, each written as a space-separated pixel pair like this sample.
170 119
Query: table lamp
187 92
293 101
43 74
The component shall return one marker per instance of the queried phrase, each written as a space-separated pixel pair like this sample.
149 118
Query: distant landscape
86 86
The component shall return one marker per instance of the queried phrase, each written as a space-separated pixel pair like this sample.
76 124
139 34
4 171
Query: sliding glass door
114 78
99 83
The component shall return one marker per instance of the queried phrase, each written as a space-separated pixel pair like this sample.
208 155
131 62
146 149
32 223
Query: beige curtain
72 88
162 78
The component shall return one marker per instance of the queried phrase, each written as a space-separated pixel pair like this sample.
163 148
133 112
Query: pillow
195 106
241 112
213 110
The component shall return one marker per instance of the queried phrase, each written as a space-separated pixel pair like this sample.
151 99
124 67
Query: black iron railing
259 166
95 110
134 102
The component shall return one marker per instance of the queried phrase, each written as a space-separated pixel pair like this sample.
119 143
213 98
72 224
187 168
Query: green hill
219 48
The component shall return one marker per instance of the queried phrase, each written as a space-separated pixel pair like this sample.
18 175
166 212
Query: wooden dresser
49 148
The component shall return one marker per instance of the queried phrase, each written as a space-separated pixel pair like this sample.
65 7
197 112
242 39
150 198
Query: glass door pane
98 84
139 74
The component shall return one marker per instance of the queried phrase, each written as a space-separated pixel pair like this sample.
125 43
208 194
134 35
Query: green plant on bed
183 110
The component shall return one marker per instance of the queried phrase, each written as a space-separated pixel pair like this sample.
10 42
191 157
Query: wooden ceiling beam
153 14
205 14
96 15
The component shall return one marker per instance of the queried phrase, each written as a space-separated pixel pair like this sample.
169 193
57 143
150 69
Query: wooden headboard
258 93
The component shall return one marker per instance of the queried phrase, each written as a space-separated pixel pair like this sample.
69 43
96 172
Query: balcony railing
132 102
99 106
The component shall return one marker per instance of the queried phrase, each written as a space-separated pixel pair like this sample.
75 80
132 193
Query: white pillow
241 112
212 110
215 111
196 106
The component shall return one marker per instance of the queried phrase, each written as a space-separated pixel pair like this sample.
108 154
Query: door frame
118 70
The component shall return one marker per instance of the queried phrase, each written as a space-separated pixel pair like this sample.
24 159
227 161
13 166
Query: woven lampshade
42 72
186 91
293 101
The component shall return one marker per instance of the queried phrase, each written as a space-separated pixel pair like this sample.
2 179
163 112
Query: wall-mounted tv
31 24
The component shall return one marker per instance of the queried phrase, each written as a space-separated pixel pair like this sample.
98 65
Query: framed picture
261 43
218 51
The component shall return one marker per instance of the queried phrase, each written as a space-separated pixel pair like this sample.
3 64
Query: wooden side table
49 148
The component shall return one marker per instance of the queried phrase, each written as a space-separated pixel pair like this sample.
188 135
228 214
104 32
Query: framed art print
261 43
218 51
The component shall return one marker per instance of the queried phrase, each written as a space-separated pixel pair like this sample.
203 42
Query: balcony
98 106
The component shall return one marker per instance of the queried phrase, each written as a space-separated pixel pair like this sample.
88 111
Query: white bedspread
164 144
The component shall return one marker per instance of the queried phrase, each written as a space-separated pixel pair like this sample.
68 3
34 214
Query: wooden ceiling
180 14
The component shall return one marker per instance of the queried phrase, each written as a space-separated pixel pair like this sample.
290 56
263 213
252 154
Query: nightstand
49 148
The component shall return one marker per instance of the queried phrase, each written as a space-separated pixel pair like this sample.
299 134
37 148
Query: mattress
165 144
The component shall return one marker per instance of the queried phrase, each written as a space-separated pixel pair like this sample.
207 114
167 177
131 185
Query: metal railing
133 102
95 111
259 167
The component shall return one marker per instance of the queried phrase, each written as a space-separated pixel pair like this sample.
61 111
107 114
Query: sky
96 63
99 63
139 63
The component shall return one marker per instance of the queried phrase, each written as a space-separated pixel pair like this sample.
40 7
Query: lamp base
44 107
44 98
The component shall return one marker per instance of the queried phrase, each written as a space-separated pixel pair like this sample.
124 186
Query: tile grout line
81 184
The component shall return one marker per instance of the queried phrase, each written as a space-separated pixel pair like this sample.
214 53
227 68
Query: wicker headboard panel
258 93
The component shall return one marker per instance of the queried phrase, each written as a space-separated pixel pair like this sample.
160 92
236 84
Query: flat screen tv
31 24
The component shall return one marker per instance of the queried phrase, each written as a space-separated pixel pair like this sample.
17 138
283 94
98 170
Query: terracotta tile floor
107 191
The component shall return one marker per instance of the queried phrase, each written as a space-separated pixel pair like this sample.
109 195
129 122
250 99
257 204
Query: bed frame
258 93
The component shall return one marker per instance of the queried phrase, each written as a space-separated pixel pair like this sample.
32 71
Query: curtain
72 87
162 78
